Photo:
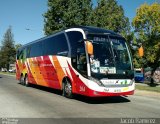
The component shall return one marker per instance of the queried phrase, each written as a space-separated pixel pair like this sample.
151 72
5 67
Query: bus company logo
34 64
121 82
46 65
108 82
124 82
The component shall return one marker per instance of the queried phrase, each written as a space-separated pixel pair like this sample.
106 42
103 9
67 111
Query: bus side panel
20 68
49 72
18 74
61 66
78 86
29 72
43 65
46 71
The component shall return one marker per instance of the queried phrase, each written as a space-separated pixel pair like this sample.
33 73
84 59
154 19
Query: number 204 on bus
83 60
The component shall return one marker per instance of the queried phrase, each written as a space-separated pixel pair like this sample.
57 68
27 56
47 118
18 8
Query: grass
148 88
8 73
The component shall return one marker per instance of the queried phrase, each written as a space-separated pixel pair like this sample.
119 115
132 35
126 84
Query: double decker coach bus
82 60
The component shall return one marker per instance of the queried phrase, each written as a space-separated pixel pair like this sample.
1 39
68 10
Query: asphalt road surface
17 101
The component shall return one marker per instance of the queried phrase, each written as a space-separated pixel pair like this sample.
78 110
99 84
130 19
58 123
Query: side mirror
141 51
89 47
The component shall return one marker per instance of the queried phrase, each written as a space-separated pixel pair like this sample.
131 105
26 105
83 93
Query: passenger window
74 37
36 50
21 54
56 45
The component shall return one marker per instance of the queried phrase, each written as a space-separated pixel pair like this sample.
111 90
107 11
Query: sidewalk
151 94
143 89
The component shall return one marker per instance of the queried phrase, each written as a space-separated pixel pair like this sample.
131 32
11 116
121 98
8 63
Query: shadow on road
102 100
89 100
153 84
58 92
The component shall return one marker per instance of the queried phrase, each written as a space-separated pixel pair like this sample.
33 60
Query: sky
26 17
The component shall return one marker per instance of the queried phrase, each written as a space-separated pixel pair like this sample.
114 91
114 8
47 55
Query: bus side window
74 37
36 50
78 55
20 55
24 53
28 52
56 45
81 59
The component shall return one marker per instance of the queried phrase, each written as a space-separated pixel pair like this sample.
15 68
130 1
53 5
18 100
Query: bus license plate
117 90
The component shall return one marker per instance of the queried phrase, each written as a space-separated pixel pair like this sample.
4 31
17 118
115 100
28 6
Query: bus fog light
95 93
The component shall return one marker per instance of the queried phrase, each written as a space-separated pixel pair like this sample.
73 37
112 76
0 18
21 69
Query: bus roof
86 29
91 29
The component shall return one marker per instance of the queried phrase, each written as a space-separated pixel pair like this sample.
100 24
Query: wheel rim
21 80
68 88
26 80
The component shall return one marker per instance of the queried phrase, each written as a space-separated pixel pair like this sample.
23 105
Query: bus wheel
26 83
67 89
21 80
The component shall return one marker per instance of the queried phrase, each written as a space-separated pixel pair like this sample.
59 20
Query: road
17 101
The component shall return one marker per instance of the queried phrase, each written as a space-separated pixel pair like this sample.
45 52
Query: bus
139 74
83 60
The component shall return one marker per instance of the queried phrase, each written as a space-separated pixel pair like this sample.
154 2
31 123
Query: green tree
66 13
109 15
17 46
8 52
147 28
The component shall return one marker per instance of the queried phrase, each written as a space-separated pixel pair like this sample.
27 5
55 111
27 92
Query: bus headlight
96 81
132 82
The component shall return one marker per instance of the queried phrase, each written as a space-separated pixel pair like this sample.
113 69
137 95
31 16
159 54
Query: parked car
12 70
3 70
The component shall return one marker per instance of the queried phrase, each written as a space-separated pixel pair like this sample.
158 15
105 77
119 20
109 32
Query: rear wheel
26 83
67 89
21 81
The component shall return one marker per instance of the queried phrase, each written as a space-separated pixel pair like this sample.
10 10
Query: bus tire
67 89
21 80
26 83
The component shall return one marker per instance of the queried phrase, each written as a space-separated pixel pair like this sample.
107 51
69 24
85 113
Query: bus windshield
111 55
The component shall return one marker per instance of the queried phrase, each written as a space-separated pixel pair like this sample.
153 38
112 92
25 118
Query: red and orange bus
82 60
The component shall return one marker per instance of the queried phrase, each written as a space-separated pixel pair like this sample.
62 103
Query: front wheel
67 89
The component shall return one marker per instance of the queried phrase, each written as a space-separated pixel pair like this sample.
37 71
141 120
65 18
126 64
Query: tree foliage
109 15
66 13
7 53
147 29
